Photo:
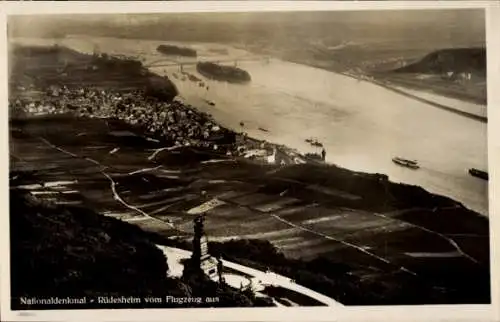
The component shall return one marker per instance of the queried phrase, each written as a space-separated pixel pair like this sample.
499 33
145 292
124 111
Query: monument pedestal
209 267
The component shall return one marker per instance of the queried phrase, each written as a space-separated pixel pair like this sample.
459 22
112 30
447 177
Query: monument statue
220 268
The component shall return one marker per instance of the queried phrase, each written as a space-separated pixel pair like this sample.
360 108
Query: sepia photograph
248 159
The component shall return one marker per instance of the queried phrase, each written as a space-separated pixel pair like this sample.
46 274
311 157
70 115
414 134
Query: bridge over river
169 62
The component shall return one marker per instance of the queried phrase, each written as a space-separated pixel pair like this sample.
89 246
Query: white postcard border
383 313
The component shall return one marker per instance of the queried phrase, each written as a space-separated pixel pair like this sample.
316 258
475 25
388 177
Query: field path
116 196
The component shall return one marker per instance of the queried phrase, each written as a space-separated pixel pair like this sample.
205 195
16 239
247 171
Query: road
406 92
117 197
152 187
113 184
447 238
390 87
265 279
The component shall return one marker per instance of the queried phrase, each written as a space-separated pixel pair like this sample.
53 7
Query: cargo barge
479 174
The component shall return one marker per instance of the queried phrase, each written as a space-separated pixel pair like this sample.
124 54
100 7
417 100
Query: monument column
201 258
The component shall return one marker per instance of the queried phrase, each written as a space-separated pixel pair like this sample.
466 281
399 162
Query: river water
361 125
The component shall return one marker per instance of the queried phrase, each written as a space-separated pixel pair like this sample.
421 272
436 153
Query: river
361 125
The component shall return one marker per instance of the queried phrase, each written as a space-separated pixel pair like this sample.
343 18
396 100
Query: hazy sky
391 17
450 27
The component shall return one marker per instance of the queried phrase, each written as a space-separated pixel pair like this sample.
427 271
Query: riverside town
251 159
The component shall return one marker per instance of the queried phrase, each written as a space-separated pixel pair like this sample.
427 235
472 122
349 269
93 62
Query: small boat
412 164
479 173
209 102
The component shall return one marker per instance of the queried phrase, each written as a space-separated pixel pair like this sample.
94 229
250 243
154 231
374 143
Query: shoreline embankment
286 154
392 87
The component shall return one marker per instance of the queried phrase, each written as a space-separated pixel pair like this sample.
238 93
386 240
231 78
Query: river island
381 250
176 51
218 72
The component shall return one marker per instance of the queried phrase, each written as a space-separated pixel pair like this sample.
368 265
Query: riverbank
329 108
445 88
429 99
423 93
363 223
120 159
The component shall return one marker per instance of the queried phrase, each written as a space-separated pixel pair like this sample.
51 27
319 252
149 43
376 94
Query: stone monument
201 258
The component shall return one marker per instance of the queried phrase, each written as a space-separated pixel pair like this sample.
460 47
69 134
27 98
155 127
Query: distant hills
59 65
456 60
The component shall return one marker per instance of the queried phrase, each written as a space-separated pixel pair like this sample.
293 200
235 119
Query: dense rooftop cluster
174 122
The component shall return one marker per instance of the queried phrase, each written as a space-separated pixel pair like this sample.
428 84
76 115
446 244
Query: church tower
97 51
